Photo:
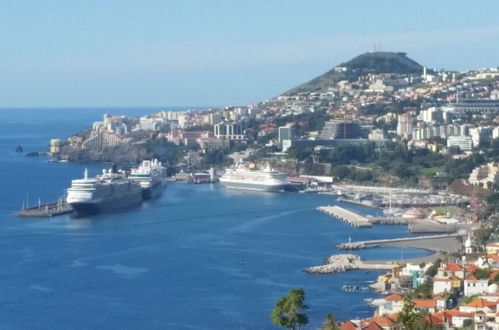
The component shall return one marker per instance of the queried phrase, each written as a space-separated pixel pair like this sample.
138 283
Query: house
446 284
390 305
425 305
479 304
473 286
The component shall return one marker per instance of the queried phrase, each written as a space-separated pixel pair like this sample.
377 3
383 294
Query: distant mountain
375 62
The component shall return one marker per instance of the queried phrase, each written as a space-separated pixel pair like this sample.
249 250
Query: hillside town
422 144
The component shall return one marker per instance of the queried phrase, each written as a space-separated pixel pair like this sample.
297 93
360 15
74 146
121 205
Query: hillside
375 62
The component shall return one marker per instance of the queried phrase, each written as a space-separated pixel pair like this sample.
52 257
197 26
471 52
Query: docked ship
260 180
151 176
110 191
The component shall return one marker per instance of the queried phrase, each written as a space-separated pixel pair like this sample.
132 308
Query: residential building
404 125
285 133
485 176
338 129
463 142
228 131
474 286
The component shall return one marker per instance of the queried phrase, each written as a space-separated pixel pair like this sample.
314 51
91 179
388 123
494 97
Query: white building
485 176
473 286
480 134
404 125
377 134
463 142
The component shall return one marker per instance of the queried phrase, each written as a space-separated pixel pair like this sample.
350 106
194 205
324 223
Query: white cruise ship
110 191
261 180
151 176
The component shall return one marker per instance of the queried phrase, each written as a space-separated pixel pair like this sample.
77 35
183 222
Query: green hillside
375 62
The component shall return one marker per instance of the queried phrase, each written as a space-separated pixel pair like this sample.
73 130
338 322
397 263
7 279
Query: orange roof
394 297
372 326
471 278
493 274
446 279
348 325
471 268
424 303
453 267
383 320
433 320
481 303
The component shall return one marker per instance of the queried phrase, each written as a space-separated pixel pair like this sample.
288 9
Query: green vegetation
288 310
330 323
377 62
408 316
481 273
433 269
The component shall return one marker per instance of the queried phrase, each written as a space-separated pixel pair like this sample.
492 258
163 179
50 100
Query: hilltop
373 62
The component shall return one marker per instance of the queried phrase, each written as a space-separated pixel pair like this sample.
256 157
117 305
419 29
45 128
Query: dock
414 241
46 210
349 217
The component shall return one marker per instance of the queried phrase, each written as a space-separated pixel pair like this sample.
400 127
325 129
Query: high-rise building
285 133
404 125
463 142
228 131
337 129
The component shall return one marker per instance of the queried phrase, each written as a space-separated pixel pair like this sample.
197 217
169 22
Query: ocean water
198 257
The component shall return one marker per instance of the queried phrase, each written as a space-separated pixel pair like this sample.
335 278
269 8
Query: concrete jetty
46 210
345 262
410 241
349 217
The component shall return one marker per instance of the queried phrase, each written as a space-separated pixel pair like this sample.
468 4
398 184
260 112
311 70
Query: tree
288 309
330 323
481 273
408 316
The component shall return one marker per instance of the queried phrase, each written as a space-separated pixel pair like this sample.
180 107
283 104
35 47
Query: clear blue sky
219 52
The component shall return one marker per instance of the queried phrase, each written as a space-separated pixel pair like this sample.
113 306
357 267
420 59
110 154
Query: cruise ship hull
254 186
152 192
107 205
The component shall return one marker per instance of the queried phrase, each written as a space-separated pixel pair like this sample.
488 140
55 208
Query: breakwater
381 242
345 262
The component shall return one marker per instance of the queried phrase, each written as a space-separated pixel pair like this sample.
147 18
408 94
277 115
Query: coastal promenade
349 217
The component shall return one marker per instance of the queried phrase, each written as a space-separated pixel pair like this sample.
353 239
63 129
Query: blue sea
198 257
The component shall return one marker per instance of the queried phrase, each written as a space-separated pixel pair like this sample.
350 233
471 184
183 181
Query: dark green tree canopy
288 310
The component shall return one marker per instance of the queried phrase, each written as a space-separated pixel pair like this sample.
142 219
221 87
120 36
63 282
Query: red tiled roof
433 320
481 303
453 267
424 303
348 325
471 268
372 326
471 278
394 297
383 320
